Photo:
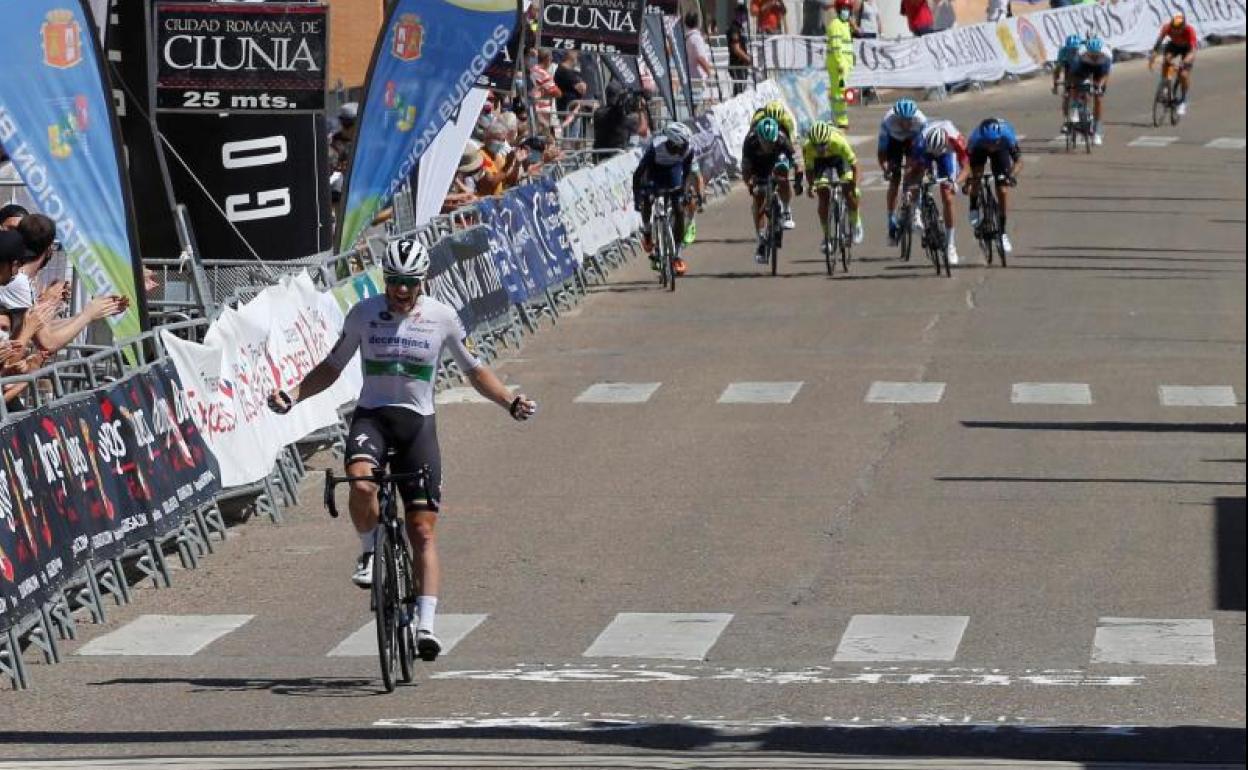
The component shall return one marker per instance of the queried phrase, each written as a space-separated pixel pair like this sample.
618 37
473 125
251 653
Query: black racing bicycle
663 238
934 237
905 219
773 209
394 586
838 231
1082 127
1170 94
990 229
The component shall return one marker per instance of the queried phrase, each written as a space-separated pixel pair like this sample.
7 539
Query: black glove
280 402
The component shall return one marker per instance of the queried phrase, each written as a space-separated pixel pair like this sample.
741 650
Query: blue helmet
906 108
1095 45
1072 42
992 130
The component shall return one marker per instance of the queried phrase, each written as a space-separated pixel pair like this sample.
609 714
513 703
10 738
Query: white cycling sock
426 608
366 540
950 232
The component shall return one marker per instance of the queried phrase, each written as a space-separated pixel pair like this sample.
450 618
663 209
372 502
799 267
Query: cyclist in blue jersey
667 164
1063 70
400 336
941 149
898 130
994 142
1095 64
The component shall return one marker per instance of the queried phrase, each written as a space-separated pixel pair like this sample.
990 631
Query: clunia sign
601 26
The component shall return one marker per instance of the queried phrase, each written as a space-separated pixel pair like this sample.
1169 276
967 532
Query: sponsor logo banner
463 275
85 479
428 57
256 57
56 124
600 26
654 52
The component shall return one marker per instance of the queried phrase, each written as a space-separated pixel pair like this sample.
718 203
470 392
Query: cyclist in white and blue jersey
898 130
667 164
1063 68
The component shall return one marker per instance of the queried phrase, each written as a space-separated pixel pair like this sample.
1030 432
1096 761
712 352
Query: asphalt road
963 580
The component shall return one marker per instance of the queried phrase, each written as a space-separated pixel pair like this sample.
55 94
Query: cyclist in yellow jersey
826 149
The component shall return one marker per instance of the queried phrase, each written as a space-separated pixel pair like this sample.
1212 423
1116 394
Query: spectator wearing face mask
499 152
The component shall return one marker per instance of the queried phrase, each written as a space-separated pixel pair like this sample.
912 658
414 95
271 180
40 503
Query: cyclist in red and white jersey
1181 42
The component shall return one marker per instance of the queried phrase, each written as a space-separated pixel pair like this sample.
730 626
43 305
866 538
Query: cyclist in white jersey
400 336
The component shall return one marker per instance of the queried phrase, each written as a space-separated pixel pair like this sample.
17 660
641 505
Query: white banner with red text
271 342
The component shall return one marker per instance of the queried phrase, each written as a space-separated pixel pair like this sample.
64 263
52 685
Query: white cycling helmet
678 136
406 257
936 139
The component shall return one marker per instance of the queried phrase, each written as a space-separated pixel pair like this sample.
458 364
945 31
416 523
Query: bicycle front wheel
775 229
385 607
847 233
1161 103
831 238
905 236
988 220
669 257
1177 95
404 590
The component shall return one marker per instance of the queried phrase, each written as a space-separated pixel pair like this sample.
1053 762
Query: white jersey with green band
400 354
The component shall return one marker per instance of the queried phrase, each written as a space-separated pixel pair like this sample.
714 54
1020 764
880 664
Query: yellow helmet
775 109
822 133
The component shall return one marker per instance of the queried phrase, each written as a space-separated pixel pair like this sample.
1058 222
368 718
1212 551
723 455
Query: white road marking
550 673
901 638
164 635
450 628
618 393
1227 143
906 393
1189 395
1178 642
860 138
1152 141
674 635
1066 393
760 393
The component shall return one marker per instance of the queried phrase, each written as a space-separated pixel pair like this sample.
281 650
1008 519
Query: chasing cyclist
1063 72
942 149
1094 64
826 149
898 130
994 142
401 335
767 151
1181 43
779 112
665 166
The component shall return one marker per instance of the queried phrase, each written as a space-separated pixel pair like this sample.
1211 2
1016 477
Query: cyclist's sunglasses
407 281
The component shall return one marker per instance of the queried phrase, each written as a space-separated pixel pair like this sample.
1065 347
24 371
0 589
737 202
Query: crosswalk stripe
1227 143
665 635
905 392
1152 141
169 635
1063 393
1176 642
881 638
1189 395
618 393
450 629
760 393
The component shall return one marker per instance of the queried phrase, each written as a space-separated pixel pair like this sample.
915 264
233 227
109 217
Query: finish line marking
815 675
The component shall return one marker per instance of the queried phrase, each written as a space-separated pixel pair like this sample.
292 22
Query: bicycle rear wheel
404 629
933 233
385 605
1161 102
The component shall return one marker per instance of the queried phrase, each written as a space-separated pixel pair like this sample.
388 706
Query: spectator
38 233
340 141
697 52
542 89
10 215
770 14
868 20
739 61
998 10
574 93
945 17
621 119
502 156
918 17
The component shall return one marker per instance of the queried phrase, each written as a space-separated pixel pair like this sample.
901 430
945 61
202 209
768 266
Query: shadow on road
319 687
1111 427
1083 480
1058 742
1229 549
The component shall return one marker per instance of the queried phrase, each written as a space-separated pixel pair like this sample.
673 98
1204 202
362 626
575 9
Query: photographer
622 119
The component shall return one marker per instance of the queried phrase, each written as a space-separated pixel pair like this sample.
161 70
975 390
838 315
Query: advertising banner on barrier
509 243
679 59
437 167
255 57
598 26
84 479
56 124
271 342
428 57
462 274
806 94
623 70
708 147
540 199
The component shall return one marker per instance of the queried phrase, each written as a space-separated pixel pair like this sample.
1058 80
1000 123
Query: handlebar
377 477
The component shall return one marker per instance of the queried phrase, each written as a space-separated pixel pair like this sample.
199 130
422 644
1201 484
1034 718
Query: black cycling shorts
834 163
1176 50
414 439
1002 160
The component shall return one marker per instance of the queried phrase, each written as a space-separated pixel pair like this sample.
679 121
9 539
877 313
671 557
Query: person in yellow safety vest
840 59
